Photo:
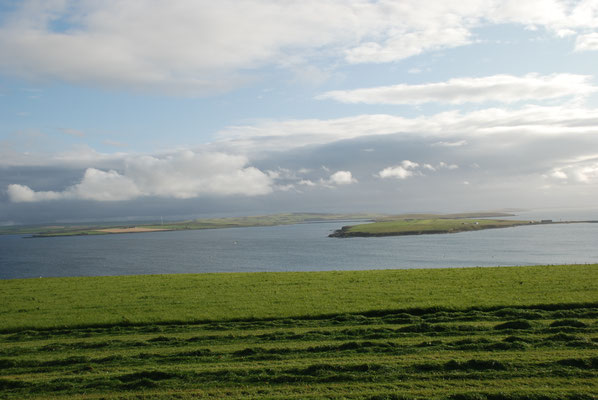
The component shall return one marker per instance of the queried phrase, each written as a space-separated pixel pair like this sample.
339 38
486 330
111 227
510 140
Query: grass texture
56 302
509 333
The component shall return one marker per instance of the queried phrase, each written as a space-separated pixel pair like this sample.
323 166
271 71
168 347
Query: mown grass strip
424 356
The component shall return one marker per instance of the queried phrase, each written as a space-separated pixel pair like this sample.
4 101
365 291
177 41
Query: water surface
303 247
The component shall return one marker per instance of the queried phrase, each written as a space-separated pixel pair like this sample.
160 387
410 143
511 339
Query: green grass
511 333
55 302
425 226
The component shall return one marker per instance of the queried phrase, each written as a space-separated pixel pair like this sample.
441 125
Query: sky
136 110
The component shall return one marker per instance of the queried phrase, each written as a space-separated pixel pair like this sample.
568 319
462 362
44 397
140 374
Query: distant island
426 224
196 224
379 224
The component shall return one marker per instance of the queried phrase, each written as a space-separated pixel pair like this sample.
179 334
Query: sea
300 247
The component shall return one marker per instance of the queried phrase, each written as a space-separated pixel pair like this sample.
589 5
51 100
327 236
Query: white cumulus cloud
103 186
342 178
23 194
181 175
403 171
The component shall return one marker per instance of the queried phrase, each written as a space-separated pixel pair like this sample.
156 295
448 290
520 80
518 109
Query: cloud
565 32
104 186
451 126
199 47
586 174
457 143
557 173
507 164
407 43
499 88
580 173
409 28
20 194
403 171
587 42
306 182
342 178
180 175
554 15
286 179
407 169
443 165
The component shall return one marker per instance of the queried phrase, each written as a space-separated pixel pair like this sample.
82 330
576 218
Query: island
194 224
370 224
425 224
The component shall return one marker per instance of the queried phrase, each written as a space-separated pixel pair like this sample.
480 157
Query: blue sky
114 110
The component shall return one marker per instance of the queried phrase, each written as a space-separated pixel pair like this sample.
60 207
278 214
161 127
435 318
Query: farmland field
476 333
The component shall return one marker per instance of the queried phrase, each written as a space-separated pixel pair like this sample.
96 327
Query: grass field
474 333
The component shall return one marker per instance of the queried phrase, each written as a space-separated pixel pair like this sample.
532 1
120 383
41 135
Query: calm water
304 247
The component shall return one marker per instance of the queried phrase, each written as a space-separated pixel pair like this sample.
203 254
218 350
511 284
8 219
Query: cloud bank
541 121
198 47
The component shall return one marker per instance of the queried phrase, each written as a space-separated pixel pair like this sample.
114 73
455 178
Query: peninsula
425 224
